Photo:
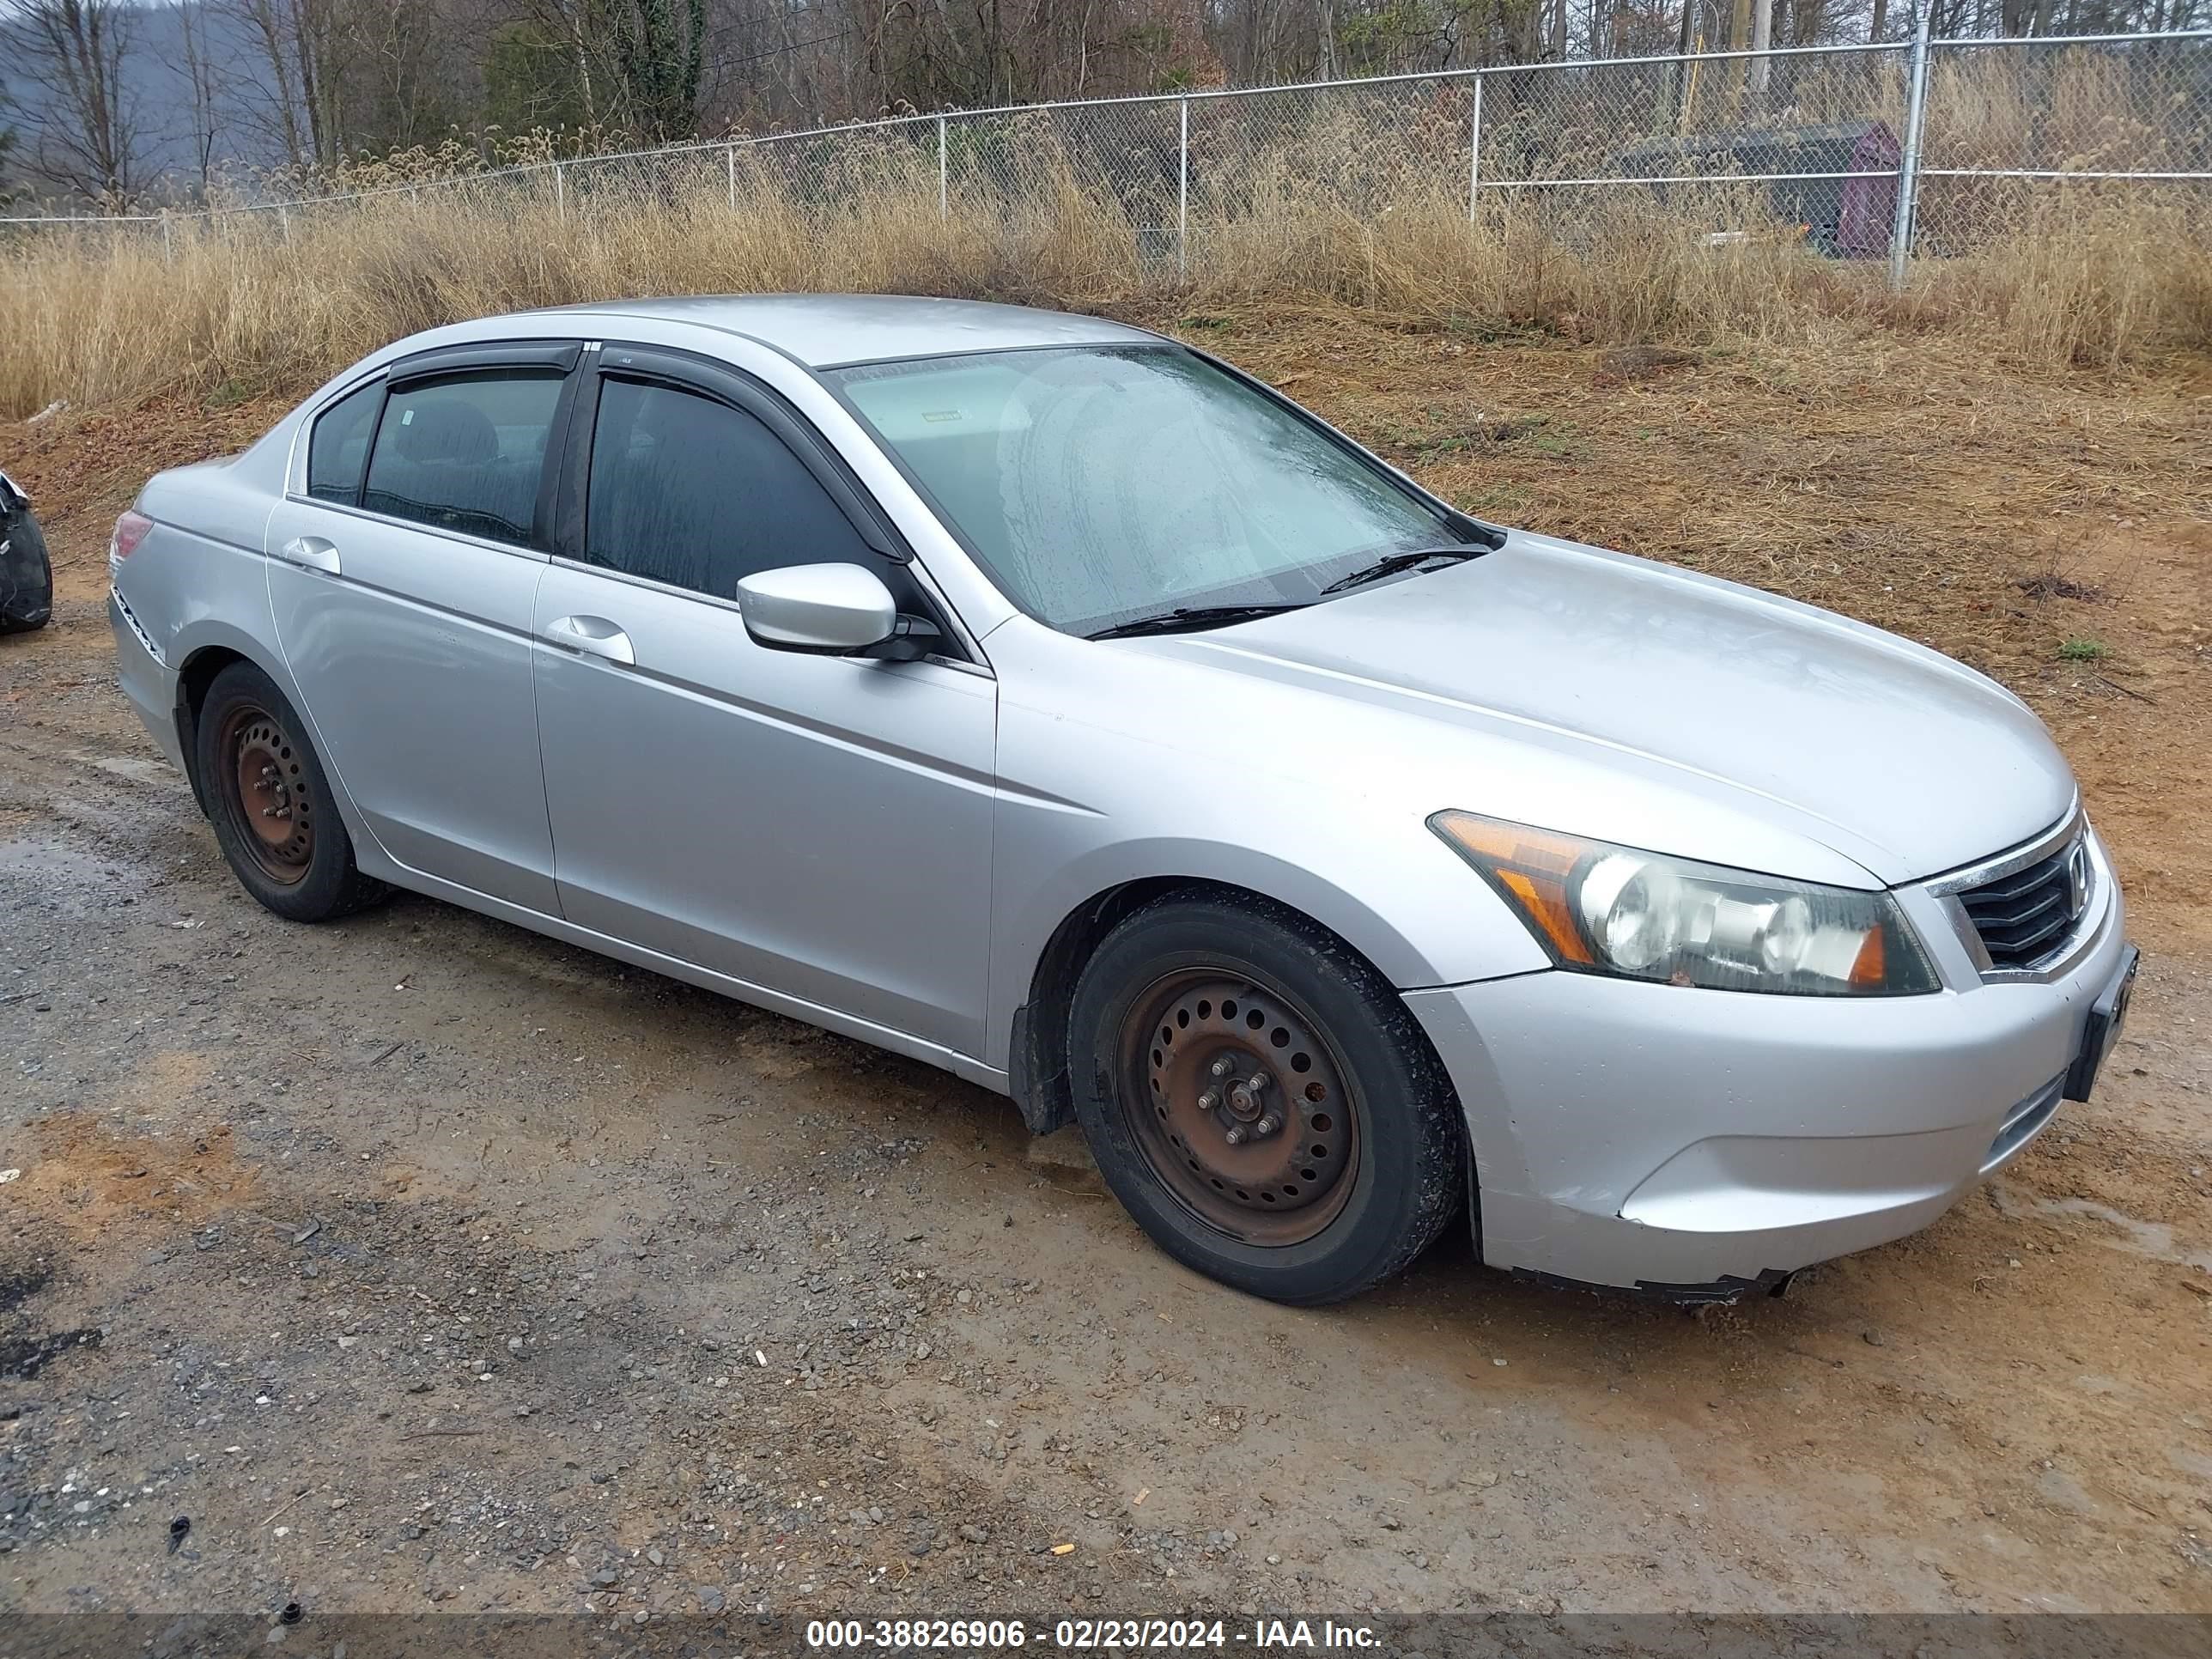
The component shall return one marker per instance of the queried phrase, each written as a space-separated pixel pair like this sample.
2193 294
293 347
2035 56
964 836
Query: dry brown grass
255 303
2091 274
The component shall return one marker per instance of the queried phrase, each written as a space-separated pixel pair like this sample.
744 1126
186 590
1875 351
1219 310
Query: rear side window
465 451
338 447
694 493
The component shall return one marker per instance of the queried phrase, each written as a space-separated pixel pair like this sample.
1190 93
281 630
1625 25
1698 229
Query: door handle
595 636
313 552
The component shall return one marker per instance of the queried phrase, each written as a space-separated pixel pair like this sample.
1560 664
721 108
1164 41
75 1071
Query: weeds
2091 277
2050 585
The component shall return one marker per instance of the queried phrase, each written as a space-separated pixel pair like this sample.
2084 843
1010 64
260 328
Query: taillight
130 529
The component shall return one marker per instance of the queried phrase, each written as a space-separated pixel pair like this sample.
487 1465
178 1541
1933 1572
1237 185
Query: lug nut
1208 1101
1267 1125
1236 1135
1222 1067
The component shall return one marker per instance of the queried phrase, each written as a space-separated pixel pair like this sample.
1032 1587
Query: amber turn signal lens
1871 968
1533 866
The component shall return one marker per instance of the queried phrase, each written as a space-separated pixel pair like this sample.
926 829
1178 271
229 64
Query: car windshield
1102 486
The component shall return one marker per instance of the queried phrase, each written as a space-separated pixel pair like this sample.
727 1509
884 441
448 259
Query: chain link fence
1925 148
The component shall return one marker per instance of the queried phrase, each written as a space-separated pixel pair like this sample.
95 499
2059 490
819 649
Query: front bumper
1676 1139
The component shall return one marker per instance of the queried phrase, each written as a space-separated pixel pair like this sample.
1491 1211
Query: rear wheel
270 804
1261 1099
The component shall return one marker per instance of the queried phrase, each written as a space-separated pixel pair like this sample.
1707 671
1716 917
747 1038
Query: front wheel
1261 1099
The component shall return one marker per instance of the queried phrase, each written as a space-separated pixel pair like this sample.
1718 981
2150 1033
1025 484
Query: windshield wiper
1185 618
1394 562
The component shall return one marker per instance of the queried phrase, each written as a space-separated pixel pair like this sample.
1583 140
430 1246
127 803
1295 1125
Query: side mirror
838 608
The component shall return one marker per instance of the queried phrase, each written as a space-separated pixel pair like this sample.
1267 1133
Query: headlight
1604 909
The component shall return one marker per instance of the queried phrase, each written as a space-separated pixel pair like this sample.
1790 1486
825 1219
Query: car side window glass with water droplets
465 451
337 448
687 491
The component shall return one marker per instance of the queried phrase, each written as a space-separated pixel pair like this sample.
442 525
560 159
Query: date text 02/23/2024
1082 1635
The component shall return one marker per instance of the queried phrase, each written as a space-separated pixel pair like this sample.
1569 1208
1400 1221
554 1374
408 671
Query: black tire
1401 1174
310 876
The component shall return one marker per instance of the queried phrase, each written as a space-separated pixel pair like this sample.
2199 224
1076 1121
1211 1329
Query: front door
402 578
815 826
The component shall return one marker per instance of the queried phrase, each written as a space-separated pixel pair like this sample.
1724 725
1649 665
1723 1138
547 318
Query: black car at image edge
27 578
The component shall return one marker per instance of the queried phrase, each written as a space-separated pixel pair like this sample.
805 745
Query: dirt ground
421 1261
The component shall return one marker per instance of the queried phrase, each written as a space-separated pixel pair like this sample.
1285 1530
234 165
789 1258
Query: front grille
2024 917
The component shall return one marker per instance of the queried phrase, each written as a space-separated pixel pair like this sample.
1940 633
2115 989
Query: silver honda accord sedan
1045 700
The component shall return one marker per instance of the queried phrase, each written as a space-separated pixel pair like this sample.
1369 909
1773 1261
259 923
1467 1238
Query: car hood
1889 754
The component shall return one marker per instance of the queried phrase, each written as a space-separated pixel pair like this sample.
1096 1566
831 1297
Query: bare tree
799 62
311 82
83 133
6 149
405 72
300 46
335 77
203 87
576 28
640 63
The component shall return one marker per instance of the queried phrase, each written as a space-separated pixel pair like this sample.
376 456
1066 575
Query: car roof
827 330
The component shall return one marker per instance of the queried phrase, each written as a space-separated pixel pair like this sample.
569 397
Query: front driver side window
687 490
465 451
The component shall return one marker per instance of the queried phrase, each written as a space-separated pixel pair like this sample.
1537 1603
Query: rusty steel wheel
1259 1098
1237 1101
264 791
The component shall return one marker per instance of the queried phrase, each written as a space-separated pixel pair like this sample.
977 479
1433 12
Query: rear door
815 826
403 567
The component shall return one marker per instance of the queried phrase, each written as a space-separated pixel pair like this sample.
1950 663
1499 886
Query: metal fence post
1474 151
168 253
944 174
560 193
1182 189
1908 160
729 166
